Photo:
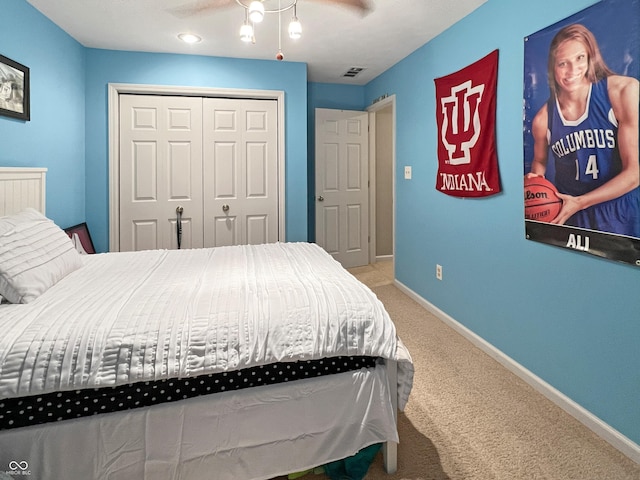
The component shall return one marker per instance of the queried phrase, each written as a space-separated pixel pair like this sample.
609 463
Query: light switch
407 172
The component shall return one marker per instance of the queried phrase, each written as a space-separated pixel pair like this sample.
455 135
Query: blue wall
106 66
55 136
570 318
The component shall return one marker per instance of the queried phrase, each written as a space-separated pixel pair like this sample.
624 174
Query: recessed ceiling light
189 38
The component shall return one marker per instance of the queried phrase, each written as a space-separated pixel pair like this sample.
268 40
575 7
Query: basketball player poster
581 160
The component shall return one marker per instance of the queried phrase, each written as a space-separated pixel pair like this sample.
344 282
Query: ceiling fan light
295 28
246 32
256 11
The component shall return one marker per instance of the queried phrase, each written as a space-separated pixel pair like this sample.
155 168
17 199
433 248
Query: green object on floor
317 471
355 467
293 476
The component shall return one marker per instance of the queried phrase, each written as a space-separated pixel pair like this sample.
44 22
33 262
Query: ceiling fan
204 6
255 11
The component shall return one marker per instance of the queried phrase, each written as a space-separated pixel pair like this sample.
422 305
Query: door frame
117 89
372 109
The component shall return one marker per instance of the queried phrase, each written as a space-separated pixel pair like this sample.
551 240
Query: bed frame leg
390 456
390 449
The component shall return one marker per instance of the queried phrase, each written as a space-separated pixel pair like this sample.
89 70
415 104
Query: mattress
132 317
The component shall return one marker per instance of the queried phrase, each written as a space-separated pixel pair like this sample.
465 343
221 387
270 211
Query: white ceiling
334 39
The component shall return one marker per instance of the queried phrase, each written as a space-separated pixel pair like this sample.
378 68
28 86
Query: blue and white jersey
586 156
585 150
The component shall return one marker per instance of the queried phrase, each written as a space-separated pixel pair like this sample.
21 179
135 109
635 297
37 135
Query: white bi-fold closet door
212 159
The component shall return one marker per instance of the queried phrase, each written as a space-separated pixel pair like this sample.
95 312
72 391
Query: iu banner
466 118
581 161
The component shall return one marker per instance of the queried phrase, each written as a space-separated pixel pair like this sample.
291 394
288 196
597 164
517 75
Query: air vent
353 71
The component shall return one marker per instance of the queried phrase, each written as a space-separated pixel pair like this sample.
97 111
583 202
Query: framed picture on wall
14 89
79 235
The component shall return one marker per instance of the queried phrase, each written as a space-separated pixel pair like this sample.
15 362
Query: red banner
466 117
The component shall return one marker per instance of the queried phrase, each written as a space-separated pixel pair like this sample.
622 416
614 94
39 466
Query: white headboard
21 188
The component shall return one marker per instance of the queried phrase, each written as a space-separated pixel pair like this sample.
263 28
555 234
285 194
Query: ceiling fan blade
200 7
364 6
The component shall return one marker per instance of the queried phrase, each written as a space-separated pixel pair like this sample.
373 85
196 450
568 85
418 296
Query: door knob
320 198
225 208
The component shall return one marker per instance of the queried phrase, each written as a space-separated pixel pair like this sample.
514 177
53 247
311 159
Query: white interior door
240 172
160 170
342 186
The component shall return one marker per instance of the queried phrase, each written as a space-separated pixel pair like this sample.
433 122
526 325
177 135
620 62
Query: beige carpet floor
468 418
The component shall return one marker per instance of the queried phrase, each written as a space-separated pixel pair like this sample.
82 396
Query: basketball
541 201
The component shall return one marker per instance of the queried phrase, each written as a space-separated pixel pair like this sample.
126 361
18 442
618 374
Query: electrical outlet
407 172
439 272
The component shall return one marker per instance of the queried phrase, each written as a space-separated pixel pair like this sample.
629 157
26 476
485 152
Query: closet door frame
117 89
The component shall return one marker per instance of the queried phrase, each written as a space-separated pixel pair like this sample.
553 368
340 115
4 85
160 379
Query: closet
197 171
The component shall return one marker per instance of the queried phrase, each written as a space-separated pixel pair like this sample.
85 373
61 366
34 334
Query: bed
204 363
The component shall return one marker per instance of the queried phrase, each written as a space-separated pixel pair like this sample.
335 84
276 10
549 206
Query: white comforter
129 317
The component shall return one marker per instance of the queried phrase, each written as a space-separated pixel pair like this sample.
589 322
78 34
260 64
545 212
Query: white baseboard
599 427
384 258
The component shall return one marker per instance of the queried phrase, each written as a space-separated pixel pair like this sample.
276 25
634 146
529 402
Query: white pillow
34 255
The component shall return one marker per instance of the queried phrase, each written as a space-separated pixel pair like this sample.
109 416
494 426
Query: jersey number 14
592 168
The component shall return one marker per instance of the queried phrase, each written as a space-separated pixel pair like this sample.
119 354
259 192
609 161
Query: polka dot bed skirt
56 406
